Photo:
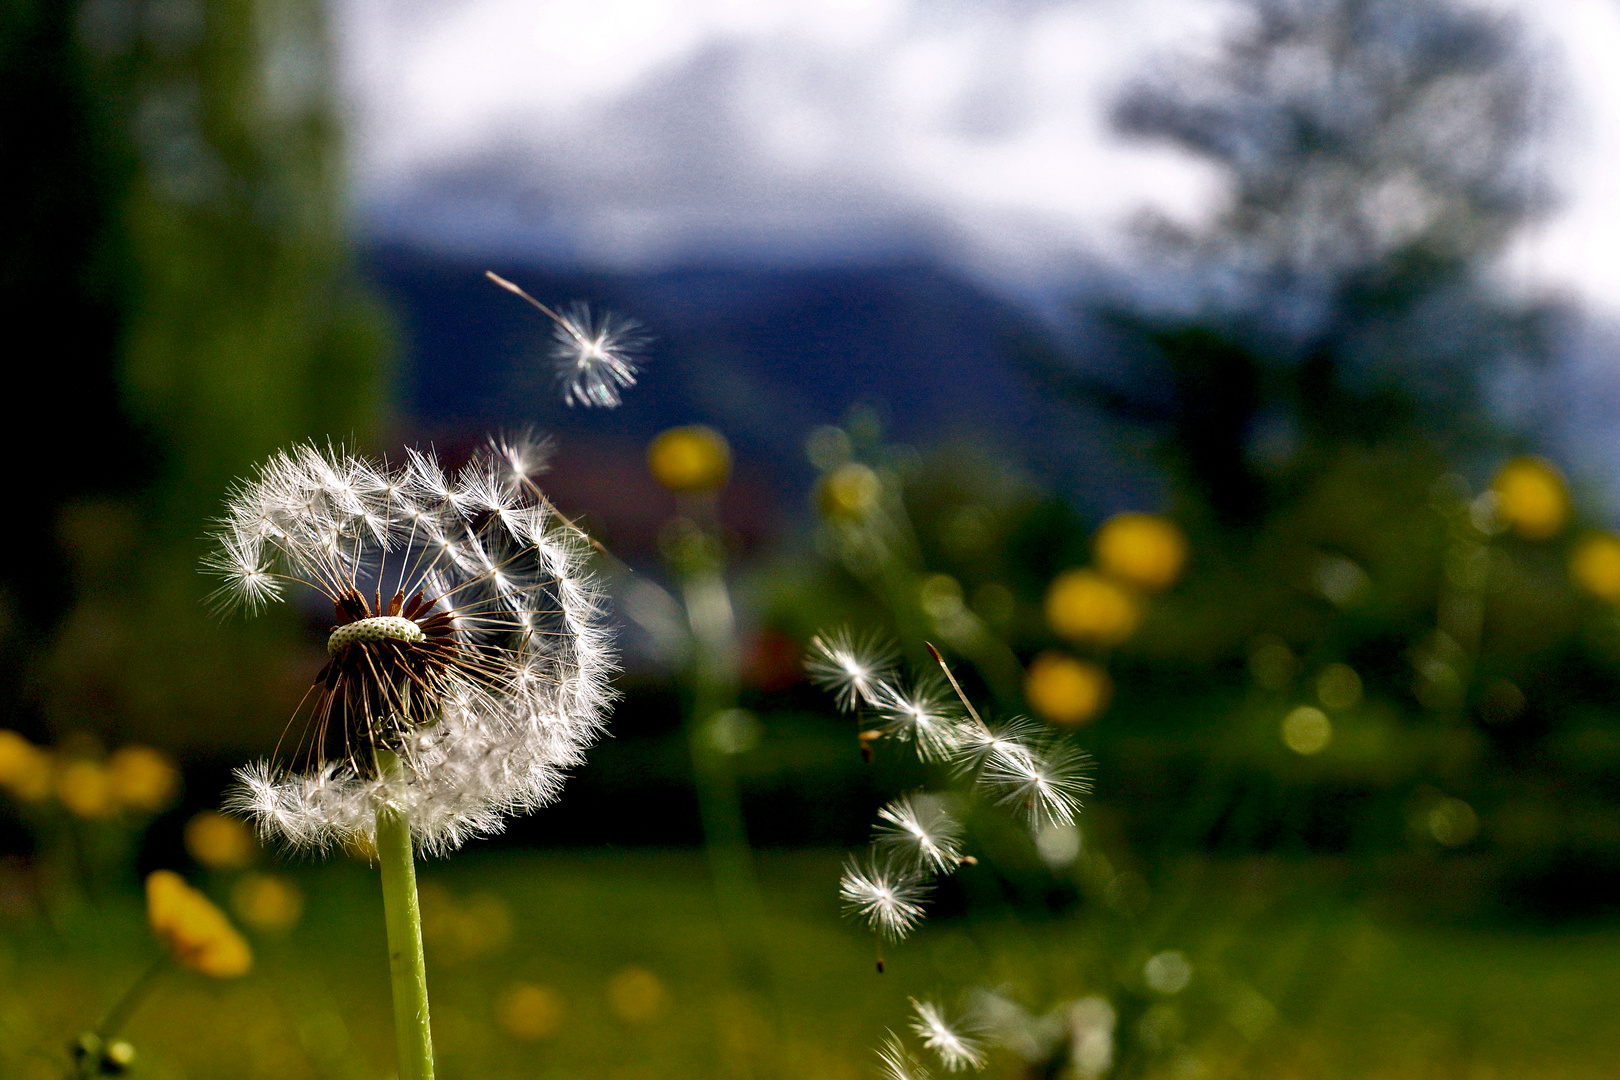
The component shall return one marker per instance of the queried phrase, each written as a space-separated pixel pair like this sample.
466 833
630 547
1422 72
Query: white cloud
625 133
629 132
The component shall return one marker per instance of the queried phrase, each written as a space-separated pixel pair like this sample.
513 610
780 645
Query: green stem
121 1011
404 917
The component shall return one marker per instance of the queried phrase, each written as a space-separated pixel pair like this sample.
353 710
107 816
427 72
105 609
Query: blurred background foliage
1348 684
182 252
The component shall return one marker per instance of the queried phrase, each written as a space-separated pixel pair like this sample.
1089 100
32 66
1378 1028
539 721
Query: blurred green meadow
615 963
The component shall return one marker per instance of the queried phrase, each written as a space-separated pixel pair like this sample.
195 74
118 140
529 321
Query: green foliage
187 234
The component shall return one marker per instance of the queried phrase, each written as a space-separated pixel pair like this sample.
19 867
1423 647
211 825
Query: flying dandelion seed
593 356
468 641
958 1047
899 1063
921 830
854 670
977 743
1044 782
886 894
923 716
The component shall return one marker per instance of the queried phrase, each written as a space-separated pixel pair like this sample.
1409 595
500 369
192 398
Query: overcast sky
637 133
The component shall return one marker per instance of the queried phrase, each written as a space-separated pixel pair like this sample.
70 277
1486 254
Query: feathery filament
468 639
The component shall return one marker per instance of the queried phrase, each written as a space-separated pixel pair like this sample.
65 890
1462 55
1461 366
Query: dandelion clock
467 658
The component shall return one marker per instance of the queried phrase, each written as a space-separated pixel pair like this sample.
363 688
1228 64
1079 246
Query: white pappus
469 640
955 1041
593 356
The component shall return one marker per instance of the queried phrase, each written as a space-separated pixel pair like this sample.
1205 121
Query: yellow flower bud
220 842
1082 605
849 491
143 779
692 458
1064 690
195 931
1145 550
1532 497
1594 565
84 787
25 769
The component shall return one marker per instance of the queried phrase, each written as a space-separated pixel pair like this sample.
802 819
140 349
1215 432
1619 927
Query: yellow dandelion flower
1064 690
195 931
690 459
267 903
220 842
25 769
1146 550
1532 497
85 788
1083 605
142 778
1594 565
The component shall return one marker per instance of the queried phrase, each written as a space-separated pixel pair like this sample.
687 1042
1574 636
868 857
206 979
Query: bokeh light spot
1453 822
637 996
1307 730
1064 690
268 903
1167 972
1084 606
1338 687
220 842
1144 549
529 1012
1594 565
1532 498
694 458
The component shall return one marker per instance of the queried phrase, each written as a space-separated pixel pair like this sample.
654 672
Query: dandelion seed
921 830
977 743
924 716
593 356
854 671
887 895
1044 782
468 641
900 1063
958 1047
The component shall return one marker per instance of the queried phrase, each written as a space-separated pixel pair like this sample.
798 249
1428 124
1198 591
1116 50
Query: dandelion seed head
921 830
885 892
958 1046
468 641
854 670
899 1063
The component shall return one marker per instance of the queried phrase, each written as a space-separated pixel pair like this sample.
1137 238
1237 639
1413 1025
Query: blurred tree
175 174
1376 159
1321 375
